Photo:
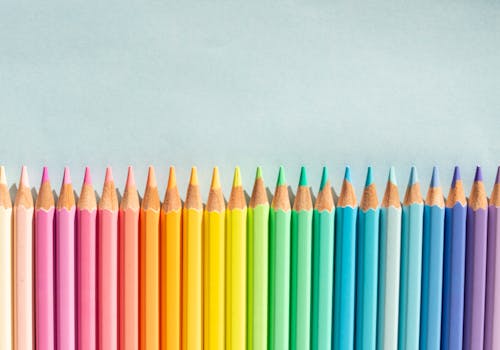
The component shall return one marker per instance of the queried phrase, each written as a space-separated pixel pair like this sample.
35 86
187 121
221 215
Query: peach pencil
5 263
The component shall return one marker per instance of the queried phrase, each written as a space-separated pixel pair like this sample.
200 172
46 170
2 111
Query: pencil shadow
335 195
119 195
313 197
291 195
247 197
13 192
56 197
269 195
34 194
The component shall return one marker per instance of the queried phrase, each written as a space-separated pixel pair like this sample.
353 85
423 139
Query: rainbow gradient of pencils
283 271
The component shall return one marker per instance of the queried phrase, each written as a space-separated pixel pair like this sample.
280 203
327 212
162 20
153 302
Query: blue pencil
367 267
345 261
411 265
454 265
432 266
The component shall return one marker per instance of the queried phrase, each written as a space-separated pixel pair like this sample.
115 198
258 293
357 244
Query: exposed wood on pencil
457 193
215 200
130 199
5 200
237 198
391 195
172 200
478 198
435 192
347 196
66 195
87 200
193 197
495 194
369 199
413 194
151 200
23 196
281 199
303 200
109 199
259 195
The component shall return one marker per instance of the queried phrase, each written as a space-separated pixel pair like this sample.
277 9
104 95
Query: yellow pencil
149 267
236 261
170 266
214 265
192 278
5 264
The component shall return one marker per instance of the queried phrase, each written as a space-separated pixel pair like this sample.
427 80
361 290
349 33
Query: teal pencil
323 245
345 266
411 265
367 267
300 276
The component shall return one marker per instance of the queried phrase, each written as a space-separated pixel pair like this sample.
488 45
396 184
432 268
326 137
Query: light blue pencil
411 265
367 267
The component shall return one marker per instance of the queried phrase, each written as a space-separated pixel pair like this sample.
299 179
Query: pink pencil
65 266
44 265
107 266
86 266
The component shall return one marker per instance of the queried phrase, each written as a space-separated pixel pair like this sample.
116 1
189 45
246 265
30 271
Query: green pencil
258 236
300 276
279 266
322 280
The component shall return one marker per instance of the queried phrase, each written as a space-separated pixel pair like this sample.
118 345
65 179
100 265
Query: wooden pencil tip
3 178
324 178
87 178
24 181
193 180
66 176
392 176
45 175
456 176
281 177
347 174
413 176
369 177
237 177
151 181
130 177
172 179
109 175
497 179
215 179
258 174
479 174
435 177
303 176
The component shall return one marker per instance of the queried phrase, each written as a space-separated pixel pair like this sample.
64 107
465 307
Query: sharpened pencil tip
435 177
172 178
109 175
324 178
215 179
151 181
456 176
258 174
392 176
130 177
45 175
303 176
479 174
237 177
347 174
66 176
3 178
24 181
281 177
497 179
193 180
413 176
369 177
87 179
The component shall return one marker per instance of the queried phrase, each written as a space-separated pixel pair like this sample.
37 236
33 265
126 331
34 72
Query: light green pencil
279 266
258 236
300 276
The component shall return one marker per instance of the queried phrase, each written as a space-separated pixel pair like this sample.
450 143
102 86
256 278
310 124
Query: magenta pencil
86 266
107 266
44 265
65 266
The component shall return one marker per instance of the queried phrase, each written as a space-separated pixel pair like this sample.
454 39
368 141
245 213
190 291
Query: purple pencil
475 265
492 326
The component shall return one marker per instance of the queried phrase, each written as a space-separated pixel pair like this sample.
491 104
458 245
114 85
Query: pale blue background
249 82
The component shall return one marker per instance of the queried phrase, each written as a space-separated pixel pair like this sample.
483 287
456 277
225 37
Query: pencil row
267 274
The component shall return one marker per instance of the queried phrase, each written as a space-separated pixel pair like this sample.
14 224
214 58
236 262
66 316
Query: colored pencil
411 265
149 266
279 266
367 267
65 266
128 266
86 302
44 265
23 265
492 321
454 265
322 266
475 265
389 272
258 241
192 267
5 263
236 261
345 266
107 266
432 266
171 266
214 242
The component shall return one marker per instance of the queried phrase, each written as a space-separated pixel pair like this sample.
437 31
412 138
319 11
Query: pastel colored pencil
171 266
258 242
149 266
475 265
44 265
192 267
454 265
411 265
432 266
236 266
389 272
128 266
86 302
23 265
345 266
492 321
322 266
107 266
367 267
214 242
65 266
5 263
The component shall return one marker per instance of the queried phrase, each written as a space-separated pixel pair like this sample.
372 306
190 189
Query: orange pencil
170 266
149 267
128 267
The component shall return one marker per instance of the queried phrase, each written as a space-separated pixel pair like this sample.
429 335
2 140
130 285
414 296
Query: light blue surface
249 82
